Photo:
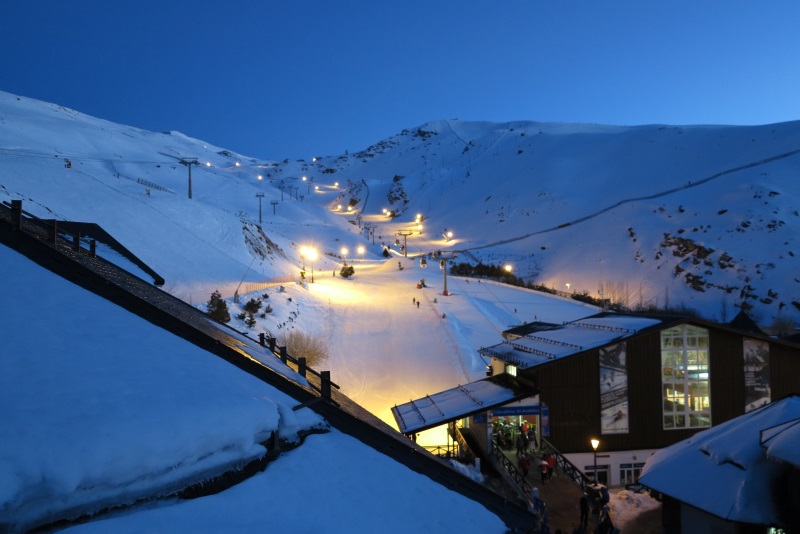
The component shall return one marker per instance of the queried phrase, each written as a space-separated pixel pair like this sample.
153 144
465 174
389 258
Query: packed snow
107 409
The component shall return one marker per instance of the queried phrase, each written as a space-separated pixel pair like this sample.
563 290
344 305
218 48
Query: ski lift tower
189 163
443 267
405 234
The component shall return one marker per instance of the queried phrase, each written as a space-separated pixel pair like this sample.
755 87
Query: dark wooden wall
570 387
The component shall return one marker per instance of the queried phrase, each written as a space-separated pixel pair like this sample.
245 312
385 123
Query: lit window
684 378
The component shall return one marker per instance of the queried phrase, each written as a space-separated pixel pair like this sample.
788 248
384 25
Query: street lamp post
344 256
312 256
595 443
361 251
443 265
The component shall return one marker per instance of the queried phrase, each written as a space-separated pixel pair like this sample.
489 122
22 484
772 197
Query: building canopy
461 401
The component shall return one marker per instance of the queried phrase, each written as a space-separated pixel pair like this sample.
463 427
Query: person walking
524 465
532 438
606 525
551 464
543 468
584 504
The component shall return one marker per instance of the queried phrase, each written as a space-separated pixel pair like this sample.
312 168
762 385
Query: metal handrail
442 452
510 468
576 475
458 437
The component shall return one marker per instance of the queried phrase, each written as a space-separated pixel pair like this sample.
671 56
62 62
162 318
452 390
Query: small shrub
347 271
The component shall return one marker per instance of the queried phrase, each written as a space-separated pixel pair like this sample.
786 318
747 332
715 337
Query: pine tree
252 306
218 308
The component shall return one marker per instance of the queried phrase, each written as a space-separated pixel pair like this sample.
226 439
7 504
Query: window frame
685 378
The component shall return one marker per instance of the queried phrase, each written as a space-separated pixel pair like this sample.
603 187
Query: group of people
525 442
597 504
521 435
547 466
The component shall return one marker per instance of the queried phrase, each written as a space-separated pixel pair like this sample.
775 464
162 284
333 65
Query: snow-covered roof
543 342
731 466
782 442
461 401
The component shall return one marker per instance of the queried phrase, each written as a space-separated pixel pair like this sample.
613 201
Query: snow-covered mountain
702 217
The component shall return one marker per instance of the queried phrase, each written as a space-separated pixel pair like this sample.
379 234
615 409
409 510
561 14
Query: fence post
93 247
284 356
325 385
261 339
55 231
272 345
274 445
301 366
16 214
76 241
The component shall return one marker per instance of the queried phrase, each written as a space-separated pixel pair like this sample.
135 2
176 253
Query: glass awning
461 401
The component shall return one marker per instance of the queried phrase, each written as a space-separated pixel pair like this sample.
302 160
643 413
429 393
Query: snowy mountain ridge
702 217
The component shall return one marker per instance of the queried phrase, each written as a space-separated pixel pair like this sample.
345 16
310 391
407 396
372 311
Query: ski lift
67 163
397 242
423 263
441 264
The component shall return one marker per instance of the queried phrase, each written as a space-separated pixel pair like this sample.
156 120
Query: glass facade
684 377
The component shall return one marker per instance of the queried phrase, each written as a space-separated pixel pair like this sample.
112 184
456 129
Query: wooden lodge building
637 383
